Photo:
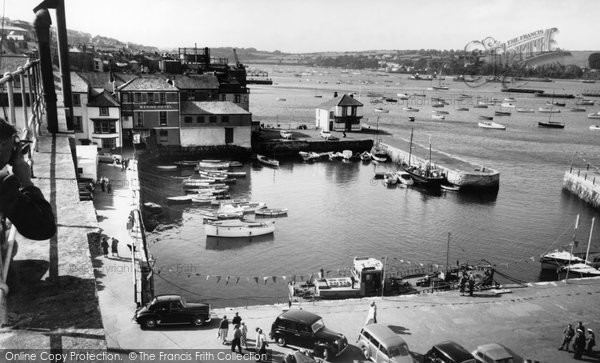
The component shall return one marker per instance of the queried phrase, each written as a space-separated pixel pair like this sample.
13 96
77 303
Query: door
228 135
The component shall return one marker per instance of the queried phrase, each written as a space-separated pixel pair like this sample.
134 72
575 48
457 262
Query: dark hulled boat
427 176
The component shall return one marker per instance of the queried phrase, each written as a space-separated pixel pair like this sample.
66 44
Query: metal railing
27 128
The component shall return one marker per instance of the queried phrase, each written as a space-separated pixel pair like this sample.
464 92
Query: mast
429 163
589 240
448 254
572 244
410 146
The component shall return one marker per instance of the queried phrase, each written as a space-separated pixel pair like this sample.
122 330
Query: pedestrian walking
123 165
471 284
223 329
579 344
103 184
104 245
591 342
261 344
463 284
237 319
108 187
372 314
244 336
568 334
115 247
235 342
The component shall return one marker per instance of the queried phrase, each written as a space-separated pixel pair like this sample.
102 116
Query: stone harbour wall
585 186
477 178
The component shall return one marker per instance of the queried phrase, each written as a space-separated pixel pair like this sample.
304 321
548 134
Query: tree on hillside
594 60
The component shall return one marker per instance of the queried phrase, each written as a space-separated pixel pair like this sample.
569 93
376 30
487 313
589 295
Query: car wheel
198 321
281 341
149 323
366 353
326 354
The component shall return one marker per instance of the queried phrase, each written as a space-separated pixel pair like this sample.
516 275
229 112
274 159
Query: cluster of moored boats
227 217
505 108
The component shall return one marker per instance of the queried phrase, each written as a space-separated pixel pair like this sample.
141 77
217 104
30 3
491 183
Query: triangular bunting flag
197 274
227 280
265 279
207 277
237 279
284 278
218 279
274 278
256 279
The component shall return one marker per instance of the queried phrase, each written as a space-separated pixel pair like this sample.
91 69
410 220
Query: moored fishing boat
462 109
182 199
584 102
267 161
404 177
436 116
424 175
525 110
594 127
552 124
272 212
238 228
410 109
450 187
501 113
166 167
381 110
486 118
285 135
594 115
309 156
365 156
548 110
491 125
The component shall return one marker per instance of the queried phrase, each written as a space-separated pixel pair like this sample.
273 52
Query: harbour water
337 211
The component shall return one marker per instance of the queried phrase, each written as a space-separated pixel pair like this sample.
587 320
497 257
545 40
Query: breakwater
466 175
292 147
582 184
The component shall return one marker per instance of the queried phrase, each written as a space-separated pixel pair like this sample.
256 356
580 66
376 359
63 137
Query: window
199 119
76 100
237 99
187 119
212 119
138 97
77 126
222 97
139 119
105 127
225 119
353 111
331 115
103 111
109 143
125 97
162 98
162 116
163 135
150 97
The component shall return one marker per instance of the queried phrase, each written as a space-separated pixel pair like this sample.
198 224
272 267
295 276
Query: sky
304 26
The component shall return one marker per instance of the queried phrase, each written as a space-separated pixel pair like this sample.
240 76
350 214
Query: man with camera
22 203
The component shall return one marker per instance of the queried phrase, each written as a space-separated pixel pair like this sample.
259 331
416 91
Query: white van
380 344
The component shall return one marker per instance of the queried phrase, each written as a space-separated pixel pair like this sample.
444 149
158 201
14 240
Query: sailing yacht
559 258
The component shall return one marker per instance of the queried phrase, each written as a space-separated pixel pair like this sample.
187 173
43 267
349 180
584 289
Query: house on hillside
214 123
342 113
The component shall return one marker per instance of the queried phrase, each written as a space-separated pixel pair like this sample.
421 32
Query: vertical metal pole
448 254
11 98
23 100
383 276
42 24
63 58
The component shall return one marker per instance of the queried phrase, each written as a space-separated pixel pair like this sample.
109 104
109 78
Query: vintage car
496 353
171 309
448 352
380 344
304 329
107 157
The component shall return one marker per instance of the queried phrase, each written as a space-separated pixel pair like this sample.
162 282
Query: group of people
240 336
105 185
124 163
114 246
581 342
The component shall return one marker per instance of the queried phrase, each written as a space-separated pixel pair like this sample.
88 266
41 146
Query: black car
304 329
171 309
448 352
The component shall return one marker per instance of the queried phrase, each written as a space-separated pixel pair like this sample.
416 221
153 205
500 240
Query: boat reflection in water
235 243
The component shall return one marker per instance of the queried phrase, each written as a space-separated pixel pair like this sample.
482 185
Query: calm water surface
337 211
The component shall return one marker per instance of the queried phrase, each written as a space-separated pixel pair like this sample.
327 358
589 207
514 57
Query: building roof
148 83
196 81
212 108
343 100
102 99
78 84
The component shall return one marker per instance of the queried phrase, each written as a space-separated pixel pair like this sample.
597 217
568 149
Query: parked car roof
454 350
497 352
302 316
167 297
384 334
